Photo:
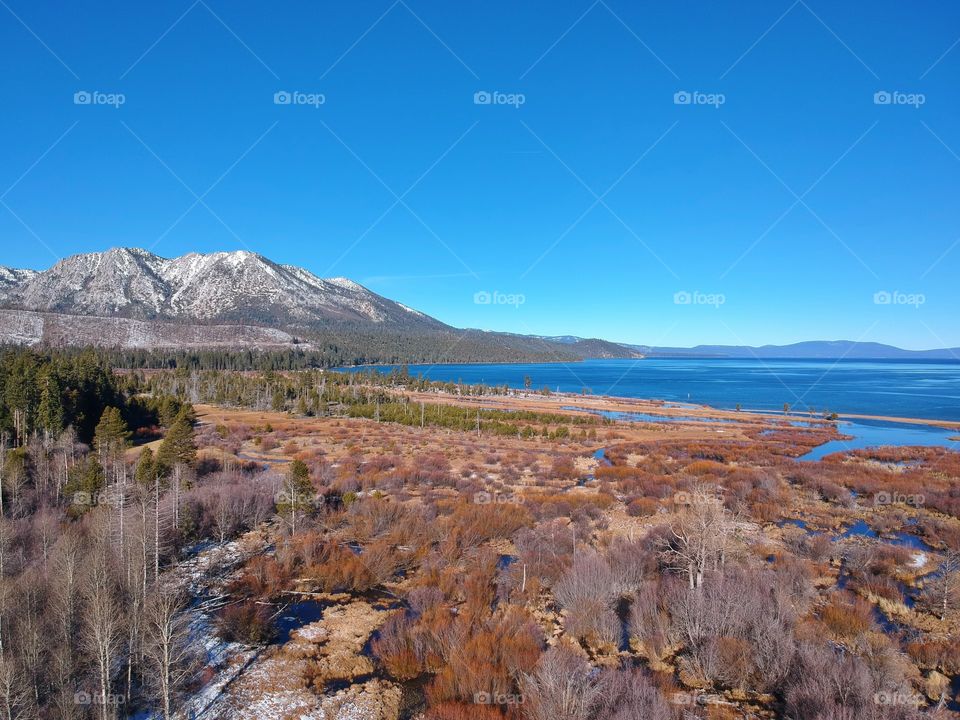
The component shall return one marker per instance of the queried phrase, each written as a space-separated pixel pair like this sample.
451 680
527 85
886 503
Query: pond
862 529
296 616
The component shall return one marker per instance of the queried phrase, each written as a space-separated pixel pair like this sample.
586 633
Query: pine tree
84 483
112 434
178 447
146 469
50 413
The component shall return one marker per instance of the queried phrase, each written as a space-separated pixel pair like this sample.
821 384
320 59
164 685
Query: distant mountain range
132 299
810 350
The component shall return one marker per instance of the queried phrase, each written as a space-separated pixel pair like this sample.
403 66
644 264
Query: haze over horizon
525 169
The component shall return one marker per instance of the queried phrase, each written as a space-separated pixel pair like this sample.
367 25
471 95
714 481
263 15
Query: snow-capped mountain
10 278
218 287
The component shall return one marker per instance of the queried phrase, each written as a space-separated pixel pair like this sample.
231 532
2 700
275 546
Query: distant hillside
810 350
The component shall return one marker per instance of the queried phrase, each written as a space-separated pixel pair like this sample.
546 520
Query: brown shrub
847 617
488 659
246 622
394 648
642 507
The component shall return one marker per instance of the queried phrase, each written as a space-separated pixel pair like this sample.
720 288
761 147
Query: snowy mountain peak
346 283
238 286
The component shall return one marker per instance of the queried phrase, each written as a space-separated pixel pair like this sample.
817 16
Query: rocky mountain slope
219 287
131 298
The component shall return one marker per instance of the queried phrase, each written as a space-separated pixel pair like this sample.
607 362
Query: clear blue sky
796 199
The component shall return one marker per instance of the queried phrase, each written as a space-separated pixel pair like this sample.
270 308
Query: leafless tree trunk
13 695
103 625
167 645
943 592
560 687
700 537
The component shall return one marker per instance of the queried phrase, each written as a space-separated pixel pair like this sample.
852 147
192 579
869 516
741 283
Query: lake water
893 388
875 433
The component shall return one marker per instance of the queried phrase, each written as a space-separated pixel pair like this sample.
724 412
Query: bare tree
561 687
700 538
103 623
588 591
649 621
13 693
629 695
167 646
65 601
943 589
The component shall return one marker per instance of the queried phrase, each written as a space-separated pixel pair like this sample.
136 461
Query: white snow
138 284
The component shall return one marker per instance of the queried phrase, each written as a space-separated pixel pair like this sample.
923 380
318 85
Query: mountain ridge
131 298
224 286
807 349
120 292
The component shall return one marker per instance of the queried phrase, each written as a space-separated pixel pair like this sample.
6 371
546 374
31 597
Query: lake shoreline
883 391
520 400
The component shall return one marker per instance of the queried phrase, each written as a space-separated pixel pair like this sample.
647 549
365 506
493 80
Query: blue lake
892 388
929 390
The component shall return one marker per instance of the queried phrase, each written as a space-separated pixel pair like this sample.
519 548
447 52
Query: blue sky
785 201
